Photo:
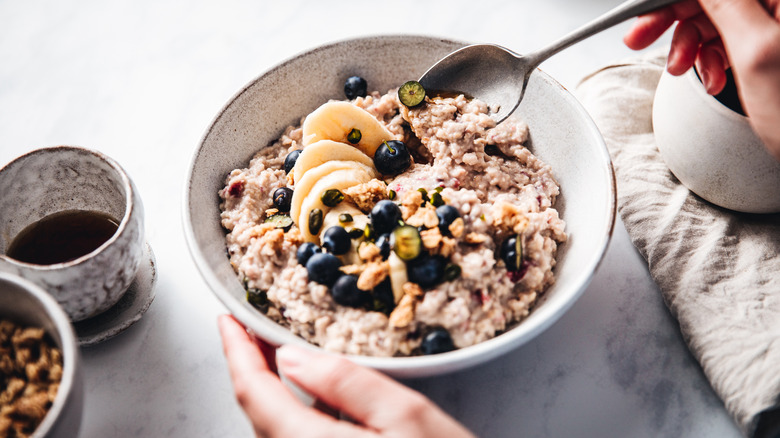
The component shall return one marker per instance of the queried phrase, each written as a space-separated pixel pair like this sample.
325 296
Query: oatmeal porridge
378 229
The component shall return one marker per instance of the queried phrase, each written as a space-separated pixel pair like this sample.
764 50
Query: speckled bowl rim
129 206
70 349
415 366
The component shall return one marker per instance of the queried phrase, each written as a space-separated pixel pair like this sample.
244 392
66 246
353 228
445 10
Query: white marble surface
140 80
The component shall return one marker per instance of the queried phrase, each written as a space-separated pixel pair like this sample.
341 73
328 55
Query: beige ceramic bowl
711 149
562 134
22 302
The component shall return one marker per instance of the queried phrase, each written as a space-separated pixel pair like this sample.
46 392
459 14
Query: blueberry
383 243
283 198
385 216
437 341
511 252
323 268
336 240
383 298
427 271
355 86
346 292
290 159
305 251
447 215
392 157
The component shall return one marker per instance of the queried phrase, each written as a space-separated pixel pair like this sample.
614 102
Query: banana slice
327 150
335 120
359 221
398 275
302 188
339 179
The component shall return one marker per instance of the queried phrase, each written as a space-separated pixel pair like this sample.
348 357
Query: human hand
717 34
379 406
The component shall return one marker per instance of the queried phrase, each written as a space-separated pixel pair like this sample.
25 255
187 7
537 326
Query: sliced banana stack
330 161
340 180
335 120
304 186
359 219
325 151
359 222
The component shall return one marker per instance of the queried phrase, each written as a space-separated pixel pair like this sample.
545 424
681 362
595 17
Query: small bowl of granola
406 230
40 372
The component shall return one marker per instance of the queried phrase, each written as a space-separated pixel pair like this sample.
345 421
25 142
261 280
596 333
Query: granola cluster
417 211
30 375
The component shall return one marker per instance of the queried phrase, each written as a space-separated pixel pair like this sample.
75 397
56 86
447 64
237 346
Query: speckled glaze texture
26 303
711 149
561 132
50 180
127 311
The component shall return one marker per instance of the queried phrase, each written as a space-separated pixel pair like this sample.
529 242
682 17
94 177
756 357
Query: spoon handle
622 12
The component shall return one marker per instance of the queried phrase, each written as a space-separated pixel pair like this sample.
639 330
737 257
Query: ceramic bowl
24 303
51 180
712 149
562 134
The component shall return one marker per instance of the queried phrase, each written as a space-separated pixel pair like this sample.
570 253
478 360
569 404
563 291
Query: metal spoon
498 76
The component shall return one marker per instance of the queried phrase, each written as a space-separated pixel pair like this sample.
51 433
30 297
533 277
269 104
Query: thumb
360 393
736 19
365 395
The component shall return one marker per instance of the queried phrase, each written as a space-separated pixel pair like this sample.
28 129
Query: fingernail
222 321
671 60
705 79
288 356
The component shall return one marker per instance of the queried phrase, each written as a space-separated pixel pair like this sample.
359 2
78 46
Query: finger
707 31
367 396
271 407
326 409
711 66
336 381
268 351
773 8
343 385
736 18
649 27
685 47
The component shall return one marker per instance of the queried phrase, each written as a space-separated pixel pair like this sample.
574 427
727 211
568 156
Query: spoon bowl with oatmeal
499 76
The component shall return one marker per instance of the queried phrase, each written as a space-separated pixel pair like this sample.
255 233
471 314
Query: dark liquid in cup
62 237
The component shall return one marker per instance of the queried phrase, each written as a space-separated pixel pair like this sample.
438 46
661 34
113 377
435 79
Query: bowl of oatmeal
416 238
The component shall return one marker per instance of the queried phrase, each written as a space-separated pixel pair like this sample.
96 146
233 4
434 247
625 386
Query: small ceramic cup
24 303
712 149
65 178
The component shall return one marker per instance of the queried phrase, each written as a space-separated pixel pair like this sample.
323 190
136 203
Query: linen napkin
719 271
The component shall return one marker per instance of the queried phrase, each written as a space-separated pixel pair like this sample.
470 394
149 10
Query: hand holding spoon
499 76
